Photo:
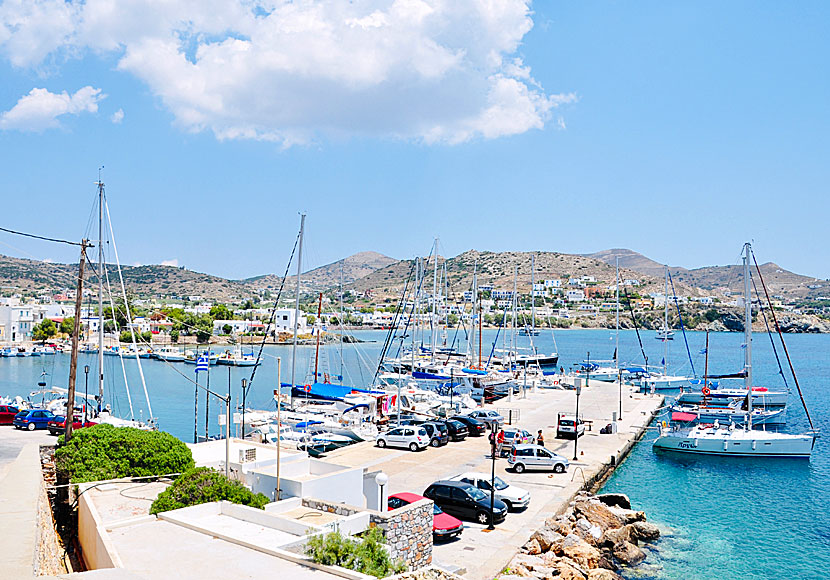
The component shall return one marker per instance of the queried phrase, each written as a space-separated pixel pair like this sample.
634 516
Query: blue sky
676 129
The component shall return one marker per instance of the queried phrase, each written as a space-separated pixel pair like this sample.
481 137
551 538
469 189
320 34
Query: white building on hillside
16 320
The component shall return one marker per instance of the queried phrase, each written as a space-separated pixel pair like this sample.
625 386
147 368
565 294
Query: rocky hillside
780 282
353 268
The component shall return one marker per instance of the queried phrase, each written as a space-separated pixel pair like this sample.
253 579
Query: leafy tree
106 452
452 320
204 485
220 312
45 330
248 305
711 315
203 330
68 325
174 335
311 319
227 329
367 555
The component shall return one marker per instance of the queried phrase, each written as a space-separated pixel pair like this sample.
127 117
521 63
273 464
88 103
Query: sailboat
729 440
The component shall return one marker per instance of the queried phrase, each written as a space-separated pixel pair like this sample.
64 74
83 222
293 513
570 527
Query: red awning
684 417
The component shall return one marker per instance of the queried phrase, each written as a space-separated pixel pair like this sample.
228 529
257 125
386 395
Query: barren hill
353 268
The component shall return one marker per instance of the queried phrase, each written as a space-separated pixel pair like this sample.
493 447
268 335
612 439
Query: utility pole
279 423
76 331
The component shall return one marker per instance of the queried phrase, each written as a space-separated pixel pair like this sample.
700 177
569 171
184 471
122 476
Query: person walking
500 441
540 439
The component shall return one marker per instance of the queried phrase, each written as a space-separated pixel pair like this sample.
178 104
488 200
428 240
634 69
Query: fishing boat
729 440
169 354
236 358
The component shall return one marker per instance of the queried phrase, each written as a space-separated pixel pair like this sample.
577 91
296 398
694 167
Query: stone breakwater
593 539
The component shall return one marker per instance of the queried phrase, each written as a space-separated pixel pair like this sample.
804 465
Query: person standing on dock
540 439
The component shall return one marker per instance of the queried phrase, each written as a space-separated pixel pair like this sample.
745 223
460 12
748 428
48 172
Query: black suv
458 430
475 427
438 433
465 501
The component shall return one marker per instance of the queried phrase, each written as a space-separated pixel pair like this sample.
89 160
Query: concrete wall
97 548
309 478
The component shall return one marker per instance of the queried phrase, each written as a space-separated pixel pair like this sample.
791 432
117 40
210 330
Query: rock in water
615 499
599 514
603 574
616 535
645 531
628 554
628 516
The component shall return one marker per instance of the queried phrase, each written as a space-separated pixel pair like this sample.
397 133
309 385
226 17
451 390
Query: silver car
408 437
536 457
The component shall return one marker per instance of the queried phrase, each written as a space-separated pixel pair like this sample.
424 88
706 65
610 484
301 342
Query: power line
58 240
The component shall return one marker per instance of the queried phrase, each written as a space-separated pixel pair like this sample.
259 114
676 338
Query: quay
480 554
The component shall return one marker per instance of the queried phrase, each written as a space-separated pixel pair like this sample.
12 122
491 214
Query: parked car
444 526
57 425
491 418
411 437
406 419
515 436
465 501
567 427
33 419
475 428
513 496
457 429
438 433
7 413
532 456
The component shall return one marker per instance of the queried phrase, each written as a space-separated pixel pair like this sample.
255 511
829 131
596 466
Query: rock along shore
592 539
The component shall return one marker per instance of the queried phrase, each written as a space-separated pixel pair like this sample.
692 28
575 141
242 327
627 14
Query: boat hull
795 446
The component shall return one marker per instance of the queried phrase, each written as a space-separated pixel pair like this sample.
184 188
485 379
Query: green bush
367 556
205 485
105 452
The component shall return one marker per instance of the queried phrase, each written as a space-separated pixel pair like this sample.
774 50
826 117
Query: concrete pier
481 554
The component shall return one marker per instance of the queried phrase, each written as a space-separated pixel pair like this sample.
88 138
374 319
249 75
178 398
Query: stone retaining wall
48 552
408 529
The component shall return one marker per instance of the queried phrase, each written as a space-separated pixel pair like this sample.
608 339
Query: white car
513 496
532 456
490 417
409 437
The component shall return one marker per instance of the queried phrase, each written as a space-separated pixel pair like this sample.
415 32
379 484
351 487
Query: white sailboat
717 439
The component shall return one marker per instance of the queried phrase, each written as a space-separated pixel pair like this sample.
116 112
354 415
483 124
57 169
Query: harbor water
723 517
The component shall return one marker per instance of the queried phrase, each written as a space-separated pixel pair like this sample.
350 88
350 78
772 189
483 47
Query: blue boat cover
474 371
328 391
430 376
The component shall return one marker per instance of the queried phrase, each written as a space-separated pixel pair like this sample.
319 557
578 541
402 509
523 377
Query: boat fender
706 392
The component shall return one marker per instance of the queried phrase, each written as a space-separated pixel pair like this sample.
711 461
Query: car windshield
500 483
476 493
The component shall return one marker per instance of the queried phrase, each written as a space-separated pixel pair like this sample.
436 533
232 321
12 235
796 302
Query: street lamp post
576 421
381 479
86 388
244 389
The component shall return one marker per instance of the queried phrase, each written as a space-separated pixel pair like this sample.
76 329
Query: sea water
722 517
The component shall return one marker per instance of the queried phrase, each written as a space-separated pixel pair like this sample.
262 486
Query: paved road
12 441
483 553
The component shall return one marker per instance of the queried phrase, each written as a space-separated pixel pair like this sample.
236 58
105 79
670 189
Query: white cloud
40 109
291 72
174 262
117 116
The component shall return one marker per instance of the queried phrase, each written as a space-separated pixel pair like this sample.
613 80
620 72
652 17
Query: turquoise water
732 518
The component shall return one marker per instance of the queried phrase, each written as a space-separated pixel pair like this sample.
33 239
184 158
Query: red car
57 425
7 413
444 526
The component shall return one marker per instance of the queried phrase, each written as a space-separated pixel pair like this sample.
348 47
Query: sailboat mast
319 331
666 324
532 292
100 291
747 326
617 343
472 340
434 298
297 306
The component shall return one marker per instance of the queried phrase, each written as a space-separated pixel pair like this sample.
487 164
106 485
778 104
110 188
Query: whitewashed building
16 320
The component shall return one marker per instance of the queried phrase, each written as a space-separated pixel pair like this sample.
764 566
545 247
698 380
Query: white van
568 427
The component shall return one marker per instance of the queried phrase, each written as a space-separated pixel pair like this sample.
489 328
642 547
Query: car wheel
518 468
381 443
413 447
559 468
435 443
483 518
508 504
30 427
